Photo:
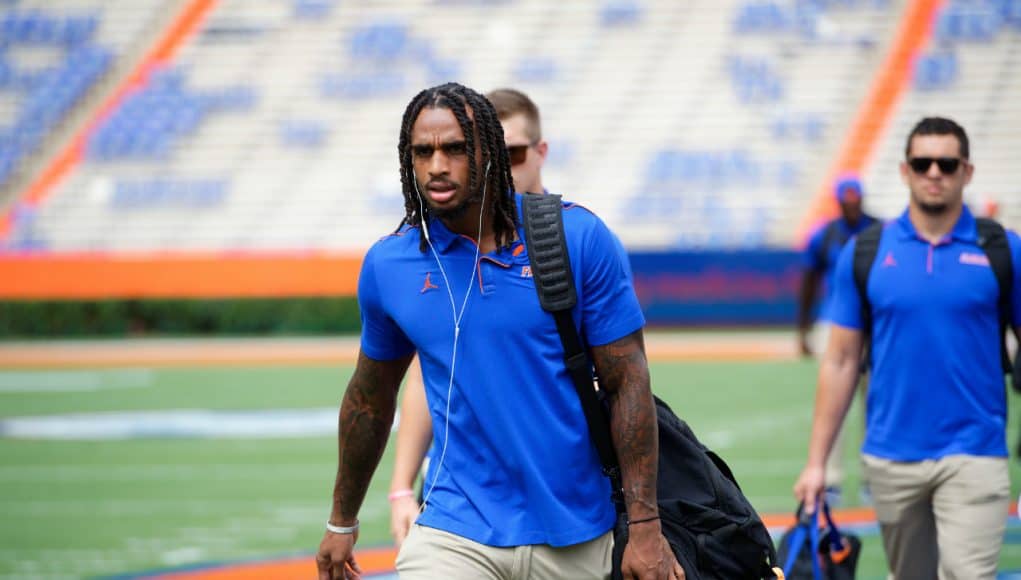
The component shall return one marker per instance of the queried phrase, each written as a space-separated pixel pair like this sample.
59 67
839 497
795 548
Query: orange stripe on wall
103 276
874 115
186 23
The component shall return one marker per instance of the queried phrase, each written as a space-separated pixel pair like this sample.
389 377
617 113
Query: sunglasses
947 165
518 153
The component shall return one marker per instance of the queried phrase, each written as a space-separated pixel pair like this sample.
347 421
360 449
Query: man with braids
526 148
516 489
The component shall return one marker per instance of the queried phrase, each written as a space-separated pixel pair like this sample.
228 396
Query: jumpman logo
428 283
889 261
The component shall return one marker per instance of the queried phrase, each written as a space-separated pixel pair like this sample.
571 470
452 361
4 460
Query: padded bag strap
866 246
992 238
554 282
547 251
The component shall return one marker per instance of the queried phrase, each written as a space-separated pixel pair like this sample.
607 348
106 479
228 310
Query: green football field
159 468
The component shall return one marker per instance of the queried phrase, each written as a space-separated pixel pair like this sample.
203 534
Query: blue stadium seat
385 41
312 9
46 92
808 127
37 27
620 13
168 193
679 169
148 122
358 86
971 22
1010 11
787 174
442 70
754 79
935 71
762 16
535 70
305 134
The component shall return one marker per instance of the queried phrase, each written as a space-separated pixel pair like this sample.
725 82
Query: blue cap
845 182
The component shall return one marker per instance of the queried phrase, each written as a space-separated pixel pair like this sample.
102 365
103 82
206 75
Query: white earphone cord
457 318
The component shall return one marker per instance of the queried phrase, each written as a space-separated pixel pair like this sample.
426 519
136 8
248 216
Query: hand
810 486
335 559
403 511
648 556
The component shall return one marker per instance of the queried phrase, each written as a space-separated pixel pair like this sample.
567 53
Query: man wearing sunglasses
522 131
935 448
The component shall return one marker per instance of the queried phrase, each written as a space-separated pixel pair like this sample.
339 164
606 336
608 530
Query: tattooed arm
624 377
366 416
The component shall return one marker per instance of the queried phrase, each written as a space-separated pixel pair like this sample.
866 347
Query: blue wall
718 287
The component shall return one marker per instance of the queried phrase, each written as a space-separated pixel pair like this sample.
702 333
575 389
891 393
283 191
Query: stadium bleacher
982 91
47 64
683 123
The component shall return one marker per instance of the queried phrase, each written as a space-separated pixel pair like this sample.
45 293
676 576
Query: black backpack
834 234
712 528
992 238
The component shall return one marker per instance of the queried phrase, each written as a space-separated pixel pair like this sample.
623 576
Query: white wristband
342 529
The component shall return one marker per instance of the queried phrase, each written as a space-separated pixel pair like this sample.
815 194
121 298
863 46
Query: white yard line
162 472
720 436
175 423
74 380
96 507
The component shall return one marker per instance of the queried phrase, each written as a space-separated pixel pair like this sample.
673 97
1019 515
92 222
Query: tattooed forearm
624 377
366 416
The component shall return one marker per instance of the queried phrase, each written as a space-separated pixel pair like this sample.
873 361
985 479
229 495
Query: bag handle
840 548
807 528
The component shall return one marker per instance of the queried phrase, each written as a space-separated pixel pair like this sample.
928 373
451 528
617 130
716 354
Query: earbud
421 207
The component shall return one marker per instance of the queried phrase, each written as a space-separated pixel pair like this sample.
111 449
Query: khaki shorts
428 553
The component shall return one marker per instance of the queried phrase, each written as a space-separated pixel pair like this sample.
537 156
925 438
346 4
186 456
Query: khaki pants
943 518
428 553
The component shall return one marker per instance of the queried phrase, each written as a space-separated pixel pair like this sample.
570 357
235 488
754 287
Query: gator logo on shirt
526 271
428 283
974 259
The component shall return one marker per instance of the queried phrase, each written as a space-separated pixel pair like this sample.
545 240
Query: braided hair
459 100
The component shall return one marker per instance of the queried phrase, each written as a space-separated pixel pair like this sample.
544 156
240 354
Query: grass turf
88 508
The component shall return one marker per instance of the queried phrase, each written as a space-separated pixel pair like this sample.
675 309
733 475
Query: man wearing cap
820 257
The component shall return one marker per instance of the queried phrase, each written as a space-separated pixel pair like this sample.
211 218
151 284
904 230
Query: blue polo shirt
519 466
937 385
823 251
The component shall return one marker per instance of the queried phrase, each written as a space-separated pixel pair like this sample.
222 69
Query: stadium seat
651 108
620 13
150 120
935 71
